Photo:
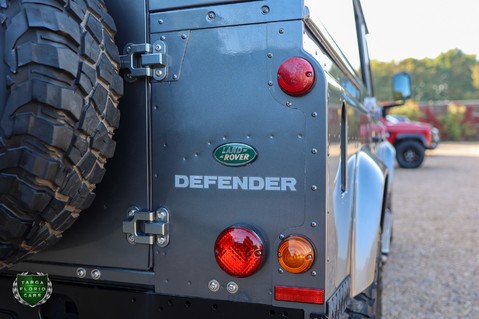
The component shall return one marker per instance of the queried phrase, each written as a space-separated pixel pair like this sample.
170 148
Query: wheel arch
371 178
417 137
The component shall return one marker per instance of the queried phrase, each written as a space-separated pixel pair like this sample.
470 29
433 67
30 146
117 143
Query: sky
400 29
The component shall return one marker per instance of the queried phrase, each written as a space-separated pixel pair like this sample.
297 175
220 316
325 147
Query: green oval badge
235 154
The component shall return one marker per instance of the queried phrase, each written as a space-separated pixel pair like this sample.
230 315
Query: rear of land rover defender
247 179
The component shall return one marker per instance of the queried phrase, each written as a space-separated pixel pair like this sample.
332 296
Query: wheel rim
410 155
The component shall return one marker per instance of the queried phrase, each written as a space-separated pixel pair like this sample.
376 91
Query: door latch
146 227
144 60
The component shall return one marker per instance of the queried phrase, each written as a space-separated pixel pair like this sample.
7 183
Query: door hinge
146 227
144 60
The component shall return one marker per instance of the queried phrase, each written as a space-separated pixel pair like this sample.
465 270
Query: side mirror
401 86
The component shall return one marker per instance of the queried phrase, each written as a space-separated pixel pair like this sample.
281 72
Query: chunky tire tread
57 119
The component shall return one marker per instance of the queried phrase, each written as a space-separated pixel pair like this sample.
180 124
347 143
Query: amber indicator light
296 254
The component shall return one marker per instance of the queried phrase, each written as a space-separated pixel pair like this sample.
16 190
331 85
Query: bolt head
81 272
161 240
95 274
232 287
130 238
161 215
214 285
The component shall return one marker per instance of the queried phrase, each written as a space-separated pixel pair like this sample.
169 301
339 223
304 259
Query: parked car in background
410 138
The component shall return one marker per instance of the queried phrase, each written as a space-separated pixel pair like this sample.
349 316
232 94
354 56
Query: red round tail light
296 76
239 251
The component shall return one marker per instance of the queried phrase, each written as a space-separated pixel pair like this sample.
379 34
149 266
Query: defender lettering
255 183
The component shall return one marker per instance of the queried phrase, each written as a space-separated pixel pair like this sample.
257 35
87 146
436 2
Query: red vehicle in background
410 139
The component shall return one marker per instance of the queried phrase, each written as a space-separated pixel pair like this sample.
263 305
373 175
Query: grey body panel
231 101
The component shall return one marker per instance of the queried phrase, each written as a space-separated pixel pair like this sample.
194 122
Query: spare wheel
59 91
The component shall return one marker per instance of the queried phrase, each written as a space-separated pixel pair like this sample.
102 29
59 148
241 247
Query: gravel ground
433 268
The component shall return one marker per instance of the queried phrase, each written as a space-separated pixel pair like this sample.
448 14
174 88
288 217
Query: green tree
452 75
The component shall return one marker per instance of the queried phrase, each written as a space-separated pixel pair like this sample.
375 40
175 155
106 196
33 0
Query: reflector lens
239 251
306 295
296 254
296 76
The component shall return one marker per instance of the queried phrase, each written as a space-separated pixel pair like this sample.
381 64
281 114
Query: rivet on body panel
211 15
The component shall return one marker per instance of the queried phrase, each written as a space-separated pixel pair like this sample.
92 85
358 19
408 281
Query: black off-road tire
58 111
410 154
368 304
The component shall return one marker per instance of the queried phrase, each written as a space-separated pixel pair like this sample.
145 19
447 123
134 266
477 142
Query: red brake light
296 76
239 251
